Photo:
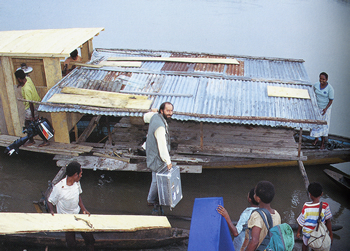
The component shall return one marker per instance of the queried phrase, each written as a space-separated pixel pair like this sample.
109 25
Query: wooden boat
110 231
340 179
253 126
107 240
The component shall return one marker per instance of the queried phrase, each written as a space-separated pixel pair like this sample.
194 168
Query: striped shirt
309 215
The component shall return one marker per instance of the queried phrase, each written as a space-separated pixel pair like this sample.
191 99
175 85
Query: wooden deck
53 148
195 146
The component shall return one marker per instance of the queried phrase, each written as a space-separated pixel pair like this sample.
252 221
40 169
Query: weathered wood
201 135
88 130
111 164
112 157
178 60
300 139
238 152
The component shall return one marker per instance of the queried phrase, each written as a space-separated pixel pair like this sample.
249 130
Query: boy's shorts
28 113
305 240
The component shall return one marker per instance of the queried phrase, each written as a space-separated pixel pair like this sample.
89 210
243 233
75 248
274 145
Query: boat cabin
43 50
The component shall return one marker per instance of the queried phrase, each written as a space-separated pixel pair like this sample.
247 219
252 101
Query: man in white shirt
66 196
158 148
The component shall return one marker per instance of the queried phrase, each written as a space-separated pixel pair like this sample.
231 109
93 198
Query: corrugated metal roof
224 90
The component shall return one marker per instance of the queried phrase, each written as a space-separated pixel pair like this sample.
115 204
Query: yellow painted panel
274 91
180 60
121 64
13 223
73 90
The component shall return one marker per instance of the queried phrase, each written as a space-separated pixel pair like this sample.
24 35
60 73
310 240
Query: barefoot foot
45 143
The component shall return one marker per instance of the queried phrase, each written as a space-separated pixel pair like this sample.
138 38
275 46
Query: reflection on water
23 177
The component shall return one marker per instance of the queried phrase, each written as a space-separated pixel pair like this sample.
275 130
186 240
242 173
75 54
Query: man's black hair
20 74
265 190
73 168
162 106
324 74
315 189
251 196
74 53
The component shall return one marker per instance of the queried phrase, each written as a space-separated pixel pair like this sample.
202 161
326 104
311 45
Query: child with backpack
238 231
264 193
310 213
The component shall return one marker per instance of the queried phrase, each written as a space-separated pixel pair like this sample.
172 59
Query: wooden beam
201 133
157 94
178 60
304 174
108 109
8 97
136 64
300 140
88 130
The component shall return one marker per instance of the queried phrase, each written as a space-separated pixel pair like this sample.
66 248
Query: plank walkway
53 148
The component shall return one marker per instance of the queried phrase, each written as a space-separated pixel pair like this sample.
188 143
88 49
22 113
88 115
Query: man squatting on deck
66 196
324 96
157 148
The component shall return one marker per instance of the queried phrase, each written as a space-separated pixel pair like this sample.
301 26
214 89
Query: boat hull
111 240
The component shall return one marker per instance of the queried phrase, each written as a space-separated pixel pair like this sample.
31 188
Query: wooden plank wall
218 139
37 75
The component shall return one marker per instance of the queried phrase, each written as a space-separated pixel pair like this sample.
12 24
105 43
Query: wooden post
304 174
109 131
88 130
76 132
86 51
201 133
300 139
53 74
8 97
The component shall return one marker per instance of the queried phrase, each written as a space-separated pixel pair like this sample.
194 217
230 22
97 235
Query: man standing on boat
158 148
29 93
324 96
66 196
